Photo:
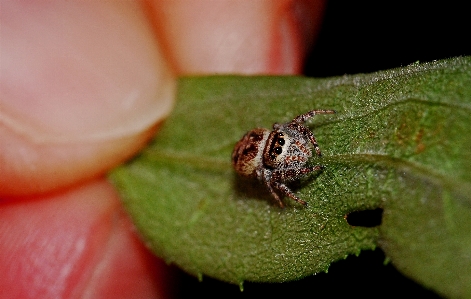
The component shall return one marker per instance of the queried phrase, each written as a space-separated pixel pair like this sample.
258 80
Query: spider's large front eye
277 145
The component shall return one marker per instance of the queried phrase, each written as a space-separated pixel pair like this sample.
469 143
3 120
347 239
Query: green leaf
400 141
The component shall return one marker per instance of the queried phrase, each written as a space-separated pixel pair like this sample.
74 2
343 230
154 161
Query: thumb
79 93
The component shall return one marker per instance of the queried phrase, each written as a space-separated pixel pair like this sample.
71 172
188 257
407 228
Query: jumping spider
278 156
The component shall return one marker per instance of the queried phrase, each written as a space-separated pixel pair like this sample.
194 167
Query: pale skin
83 86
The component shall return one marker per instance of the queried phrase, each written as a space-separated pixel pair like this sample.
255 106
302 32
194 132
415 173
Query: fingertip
248 37
295 28
82 86
31 168
96 71
76 243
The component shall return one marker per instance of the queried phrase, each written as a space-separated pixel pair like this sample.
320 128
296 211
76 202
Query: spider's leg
307 133
287 192
268 184
275 196
314 168
303 117
288 175
298 124
313 140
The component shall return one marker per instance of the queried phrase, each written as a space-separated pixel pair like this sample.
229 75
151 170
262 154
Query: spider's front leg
298 122
308 134
287 192
278 177
303 117
266 178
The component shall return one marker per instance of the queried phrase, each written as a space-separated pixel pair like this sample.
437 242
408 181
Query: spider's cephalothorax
278 156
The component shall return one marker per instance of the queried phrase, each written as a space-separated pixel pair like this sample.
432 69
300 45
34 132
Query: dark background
361 37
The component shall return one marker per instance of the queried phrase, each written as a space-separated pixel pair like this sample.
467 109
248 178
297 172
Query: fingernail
80 71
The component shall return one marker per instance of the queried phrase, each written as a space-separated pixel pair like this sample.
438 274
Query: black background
361 37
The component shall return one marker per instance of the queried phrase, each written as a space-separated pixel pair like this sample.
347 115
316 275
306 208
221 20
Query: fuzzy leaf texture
400 141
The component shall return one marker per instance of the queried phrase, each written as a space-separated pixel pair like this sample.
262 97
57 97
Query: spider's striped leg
280 176
266 178
303 117
306 133
287 192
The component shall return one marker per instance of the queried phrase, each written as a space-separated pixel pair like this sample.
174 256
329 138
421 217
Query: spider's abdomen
248 152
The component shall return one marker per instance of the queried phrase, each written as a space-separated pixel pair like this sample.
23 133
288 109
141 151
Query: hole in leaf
366 218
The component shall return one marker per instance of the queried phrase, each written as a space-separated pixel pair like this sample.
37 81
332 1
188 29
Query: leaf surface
400 141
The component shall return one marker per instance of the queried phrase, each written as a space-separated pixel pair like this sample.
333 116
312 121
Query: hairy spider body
278 156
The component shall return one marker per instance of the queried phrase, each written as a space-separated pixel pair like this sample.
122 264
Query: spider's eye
280 139
277 146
